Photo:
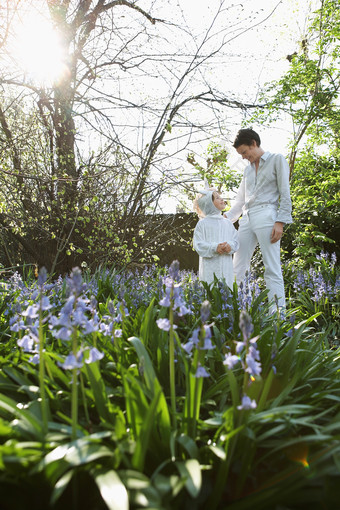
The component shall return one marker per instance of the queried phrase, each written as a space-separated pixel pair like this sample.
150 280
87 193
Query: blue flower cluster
315 282
247 354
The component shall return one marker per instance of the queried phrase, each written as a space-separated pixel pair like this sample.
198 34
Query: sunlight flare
37 50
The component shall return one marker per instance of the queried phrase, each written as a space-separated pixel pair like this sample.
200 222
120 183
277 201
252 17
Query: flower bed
151 390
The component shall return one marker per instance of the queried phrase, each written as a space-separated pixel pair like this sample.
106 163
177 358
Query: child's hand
223 248
227 248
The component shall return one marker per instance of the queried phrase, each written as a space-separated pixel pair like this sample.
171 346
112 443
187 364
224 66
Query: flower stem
74 397
172 362
44 410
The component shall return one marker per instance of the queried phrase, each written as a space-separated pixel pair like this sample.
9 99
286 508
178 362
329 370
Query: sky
256 36
257 56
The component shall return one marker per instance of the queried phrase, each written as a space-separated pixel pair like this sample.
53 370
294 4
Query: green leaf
190 470
112 490
61 485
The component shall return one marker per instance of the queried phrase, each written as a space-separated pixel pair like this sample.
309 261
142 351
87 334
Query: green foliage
128 451
308 92
315 192
217 173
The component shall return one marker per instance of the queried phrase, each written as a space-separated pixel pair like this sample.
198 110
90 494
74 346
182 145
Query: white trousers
255 228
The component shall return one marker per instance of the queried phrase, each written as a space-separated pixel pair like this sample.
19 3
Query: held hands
223 248
276 232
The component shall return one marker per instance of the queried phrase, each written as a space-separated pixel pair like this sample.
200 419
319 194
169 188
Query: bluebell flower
111 307
79 317
118 333
239 347
201 372
231 360
205 311
68 306
93 304
165 324
253 367
35 359
32 312
247 404
63 320
207 346
16 324
94 355
42 277
253 351
195 336
75 281
188 346
72 361
246 325
89 326
207 330
26 343
106 329
174 269
62 333
45 303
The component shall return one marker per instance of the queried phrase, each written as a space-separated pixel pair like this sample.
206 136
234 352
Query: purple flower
188 346
239 347
42 276
207 330
205 311
201 372
31 312
89 326
72 361
253 366
165 324
247 404
45 303
246 325
26 343
208 346
94 355
165 301
16 324
231 360
75 281
174 269
35 359
62 333
254 352
194 337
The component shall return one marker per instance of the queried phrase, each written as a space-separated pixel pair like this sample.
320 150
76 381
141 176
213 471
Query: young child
215 238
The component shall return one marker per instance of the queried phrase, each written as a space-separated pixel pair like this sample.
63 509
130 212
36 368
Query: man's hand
276 232
223 248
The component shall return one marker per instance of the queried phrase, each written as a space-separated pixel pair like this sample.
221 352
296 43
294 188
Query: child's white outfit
209 232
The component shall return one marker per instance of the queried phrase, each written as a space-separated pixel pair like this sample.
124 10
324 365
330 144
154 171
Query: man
264 201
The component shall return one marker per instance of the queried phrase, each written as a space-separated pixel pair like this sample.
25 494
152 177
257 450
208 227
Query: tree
84 157
216 173
309 94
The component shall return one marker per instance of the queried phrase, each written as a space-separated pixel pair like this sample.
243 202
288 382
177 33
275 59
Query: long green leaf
190 470
112 489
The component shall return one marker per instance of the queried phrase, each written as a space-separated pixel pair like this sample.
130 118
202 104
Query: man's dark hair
246 137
